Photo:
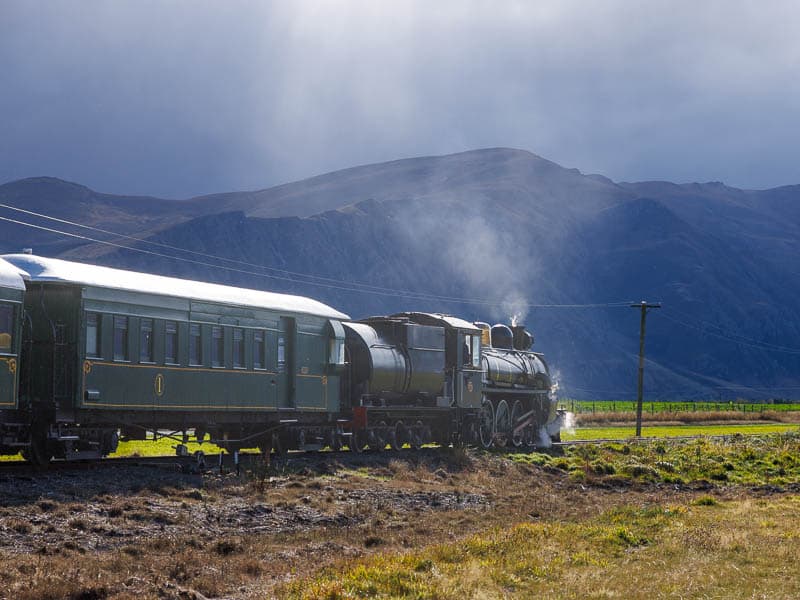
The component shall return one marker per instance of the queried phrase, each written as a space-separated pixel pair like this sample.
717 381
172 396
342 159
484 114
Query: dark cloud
186 97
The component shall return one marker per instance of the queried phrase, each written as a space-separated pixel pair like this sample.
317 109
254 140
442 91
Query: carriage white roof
10 276
37 268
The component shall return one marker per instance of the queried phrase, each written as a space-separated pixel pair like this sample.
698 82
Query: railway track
225 461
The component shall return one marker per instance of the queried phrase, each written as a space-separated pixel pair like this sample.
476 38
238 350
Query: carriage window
238 348
92 334
217 347
281 355
6 327
120 338
258 350
195 345
146 340
171 342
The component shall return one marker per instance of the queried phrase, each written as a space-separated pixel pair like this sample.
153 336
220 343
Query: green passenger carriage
12 294
114 350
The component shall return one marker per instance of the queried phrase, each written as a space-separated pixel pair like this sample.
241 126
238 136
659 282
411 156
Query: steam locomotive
91 355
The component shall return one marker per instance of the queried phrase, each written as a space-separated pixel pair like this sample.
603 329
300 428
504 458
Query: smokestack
523 340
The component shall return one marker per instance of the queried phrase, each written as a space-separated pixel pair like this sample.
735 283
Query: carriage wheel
278 445
37 453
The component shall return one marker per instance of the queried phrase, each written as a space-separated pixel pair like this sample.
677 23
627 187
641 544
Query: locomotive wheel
375 441
380 437
486 424
399 436
502 423
530 436
415 436
516 413
356 443
391 438
335 440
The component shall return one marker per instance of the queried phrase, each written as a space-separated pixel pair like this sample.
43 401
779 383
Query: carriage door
287 331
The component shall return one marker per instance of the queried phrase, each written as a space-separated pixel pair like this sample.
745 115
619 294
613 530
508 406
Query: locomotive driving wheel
530 436
486 421
415 436
335 439
375 439
517 437
502 424
400 435
356 442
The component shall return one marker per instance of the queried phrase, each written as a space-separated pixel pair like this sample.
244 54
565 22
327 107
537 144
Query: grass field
698 518
708 549
599 433
724 542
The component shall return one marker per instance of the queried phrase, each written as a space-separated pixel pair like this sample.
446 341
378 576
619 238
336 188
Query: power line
192 252
735 335
348 288
736 339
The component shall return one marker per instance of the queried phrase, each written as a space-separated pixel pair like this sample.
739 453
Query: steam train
91 355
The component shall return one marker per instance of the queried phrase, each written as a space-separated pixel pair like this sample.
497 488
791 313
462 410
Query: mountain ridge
511 232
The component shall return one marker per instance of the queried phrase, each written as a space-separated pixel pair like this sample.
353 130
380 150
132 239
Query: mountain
506 233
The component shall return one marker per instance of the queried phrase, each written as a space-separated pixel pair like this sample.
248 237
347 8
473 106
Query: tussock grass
739 549
772 460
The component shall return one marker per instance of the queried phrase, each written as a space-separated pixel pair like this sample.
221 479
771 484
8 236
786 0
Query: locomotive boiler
458 381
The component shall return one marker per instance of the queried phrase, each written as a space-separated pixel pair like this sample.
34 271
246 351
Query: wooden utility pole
644 306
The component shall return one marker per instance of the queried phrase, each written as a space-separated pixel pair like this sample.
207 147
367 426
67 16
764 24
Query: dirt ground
153 531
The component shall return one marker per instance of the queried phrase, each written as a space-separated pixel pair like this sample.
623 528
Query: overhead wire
187 251
732 335
348 287
748 342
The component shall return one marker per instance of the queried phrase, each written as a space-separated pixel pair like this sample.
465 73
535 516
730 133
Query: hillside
502 228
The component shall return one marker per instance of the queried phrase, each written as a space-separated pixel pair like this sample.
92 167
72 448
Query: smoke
569 423
491 265
543 438
555 384
516 306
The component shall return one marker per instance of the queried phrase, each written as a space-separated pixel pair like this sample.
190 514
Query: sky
187 97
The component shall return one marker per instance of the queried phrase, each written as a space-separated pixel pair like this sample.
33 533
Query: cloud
181 98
